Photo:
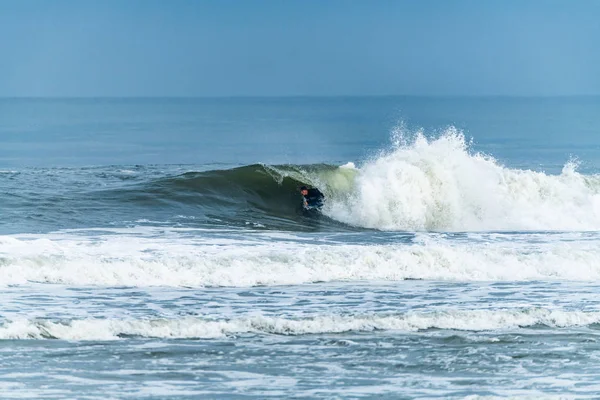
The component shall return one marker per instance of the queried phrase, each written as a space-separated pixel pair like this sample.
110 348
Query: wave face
266 195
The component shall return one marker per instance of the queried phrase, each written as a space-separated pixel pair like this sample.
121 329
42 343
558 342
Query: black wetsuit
314 199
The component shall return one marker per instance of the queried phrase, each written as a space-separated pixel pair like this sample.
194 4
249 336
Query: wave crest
200 328
150 261
439 184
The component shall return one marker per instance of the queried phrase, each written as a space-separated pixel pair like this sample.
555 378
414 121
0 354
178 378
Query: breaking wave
178 261
201 328
418 185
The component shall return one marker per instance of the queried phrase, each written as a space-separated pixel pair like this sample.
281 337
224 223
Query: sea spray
440 184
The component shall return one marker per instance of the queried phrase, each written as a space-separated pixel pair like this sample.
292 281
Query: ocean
155 248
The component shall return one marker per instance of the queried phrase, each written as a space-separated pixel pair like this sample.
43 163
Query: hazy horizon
267 48
292 96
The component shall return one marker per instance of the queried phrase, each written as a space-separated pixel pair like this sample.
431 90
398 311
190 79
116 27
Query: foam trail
195 327
440 184
121 260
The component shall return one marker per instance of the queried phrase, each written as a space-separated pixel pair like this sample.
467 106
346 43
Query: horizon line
184 97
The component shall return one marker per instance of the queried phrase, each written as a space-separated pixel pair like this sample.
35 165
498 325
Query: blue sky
308 47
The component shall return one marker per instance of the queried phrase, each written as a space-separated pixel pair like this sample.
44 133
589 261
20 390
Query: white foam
171 260
348 165
466 320
440 184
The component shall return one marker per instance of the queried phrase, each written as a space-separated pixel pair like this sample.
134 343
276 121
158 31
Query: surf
440 184
191 258
420 183
476 320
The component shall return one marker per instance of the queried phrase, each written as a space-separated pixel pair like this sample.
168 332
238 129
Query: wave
179 261
201 328
419 184
440 184
264 195
422 184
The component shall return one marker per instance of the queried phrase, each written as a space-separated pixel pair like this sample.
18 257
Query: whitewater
438 184
452 259
121 259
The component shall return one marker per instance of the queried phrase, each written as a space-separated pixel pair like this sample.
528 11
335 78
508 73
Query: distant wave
197 327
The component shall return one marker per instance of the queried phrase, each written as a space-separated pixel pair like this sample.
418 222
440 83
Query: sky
76 48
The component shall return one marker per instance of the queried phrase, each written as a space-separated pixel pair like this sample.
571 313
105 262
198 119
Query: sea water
156 248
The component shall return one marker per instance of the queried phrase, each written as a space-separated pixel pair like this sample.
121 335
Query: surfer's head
304 190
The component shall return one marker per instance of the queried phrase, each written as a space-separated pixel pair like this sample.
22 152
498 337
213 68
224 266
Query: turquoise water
154 248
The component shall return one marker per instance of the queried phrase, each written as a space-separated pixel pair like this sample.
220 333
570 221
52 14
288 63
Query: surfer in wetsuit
311 198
